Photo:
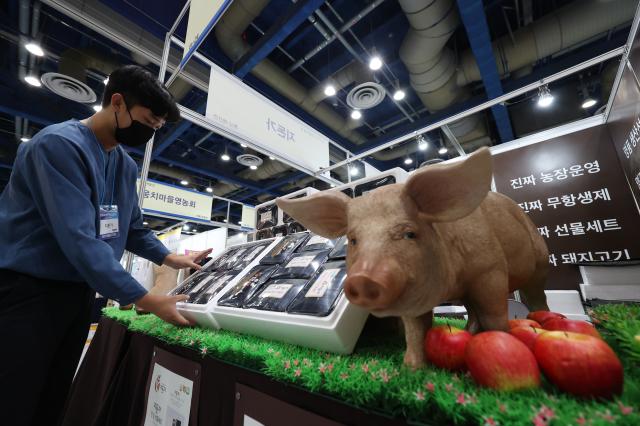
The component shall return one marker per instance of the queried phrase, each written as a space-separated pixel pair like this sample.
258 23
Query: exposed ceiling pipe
268 169
167 171
364 12
229 32
559 30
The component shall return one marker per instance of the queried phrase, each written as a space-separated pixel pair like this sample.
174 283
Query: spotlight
353 171
375 63
97 108
106 81
399 95
33 80
356 115
225 157
588 103
329 90
422 144
184 182
253 167
442 150
25 139
408 161
34 49
145 223
185 227
209 189
243 145
545 98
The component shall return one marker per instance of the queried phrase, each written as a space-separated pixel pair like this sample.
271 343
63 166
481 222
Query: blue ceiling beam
175 132
279 31
475 22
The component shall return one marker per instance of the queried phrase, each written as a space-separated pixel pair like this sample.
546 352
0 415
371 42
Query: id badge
108 222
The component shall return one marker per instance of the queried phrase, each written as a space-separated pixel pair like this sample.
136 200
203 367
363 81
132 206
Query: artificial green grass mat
375 379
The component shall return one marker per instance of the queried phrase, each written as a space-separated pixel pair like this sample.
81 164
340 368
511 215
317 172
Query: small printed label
317 239
300 262
276 291
320 287
266 216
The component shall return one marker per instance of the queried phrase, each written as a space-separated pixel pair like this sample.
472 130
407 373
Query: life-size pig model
441 236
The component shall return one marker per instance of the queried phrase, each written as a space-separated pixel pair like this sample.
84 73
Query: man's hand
164 307
179 261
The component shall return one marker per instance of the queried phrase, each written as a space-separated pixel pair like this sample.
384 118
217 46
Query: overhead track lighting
33 80
545 98
145 223
356 115
225 157
408 161
184 182
422 143
329 90
25 139
375 63
443 150
399 95
588 103
209 189
34 49
253 167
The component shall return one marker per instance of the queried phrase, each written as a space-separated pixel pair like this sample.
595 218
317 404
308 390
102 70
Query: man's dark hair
139 87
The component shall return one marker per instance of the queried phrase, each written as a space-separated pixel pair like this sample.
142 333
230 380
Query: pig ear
448 192
324 213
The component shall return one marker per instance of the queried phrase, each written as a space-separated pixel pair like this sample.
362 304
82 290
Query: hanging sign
244 112
177 202
201 13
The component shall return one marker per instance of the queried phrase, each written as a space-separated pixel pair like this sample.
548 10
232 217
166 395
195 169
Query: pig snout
376 291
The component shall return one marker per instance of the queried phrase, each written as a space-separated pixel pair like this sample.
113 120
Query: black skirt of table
109 388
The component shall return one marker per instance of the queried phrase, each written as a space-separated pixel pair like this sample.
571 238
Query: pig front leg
414 330
488 302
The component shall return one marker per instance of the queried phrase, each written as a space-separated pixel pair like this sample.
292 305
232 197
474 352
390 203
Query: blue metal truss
475 22
280 30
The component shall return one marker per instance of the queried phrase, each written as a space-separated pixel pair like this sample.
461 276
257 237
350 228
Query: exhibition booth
279 343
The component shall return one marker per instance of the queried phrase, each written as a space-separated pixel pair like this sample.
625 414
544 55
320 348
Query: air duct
268 169
432 65
557 31
229 35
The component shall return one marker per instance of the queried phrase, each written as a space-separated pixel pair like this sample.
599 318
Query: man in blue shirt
66 217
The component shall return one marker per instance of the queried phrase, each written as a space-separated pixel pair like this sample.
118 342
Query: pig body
441 236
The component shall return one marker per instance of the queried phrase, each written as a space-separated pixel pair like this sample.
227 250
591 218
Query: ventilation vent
366 95
249 160
68 87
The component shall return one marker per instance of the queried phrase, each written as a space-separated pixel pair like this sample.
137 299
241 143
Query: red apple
563 324
498 360
527 335
542 316
579 364
521 322
444 346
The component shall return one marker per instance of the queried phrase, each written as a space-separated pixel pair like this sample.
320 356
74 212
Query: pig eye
353 241
409 235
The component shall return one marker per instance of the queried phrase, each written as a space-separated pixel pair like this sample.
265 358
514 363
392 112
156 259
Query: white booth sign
177 202
200 13
242 111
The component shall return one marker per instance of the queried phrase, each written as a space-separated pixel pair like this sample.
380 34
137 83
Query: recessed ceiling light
243 145
185 227
442 150
209 189
408 161
105 81
354 171
253 167
25 139
33 80
34 49
356 115
399 95
375 63
588 103
145 223
422 145
329 90
97 108
184 182
225 157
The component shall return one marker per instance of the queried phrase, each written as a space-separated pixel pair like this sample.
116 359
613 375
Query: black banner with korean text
574 190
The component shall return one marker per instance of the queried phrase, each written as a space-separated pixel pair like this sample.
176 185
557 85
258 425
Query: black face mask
136 134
